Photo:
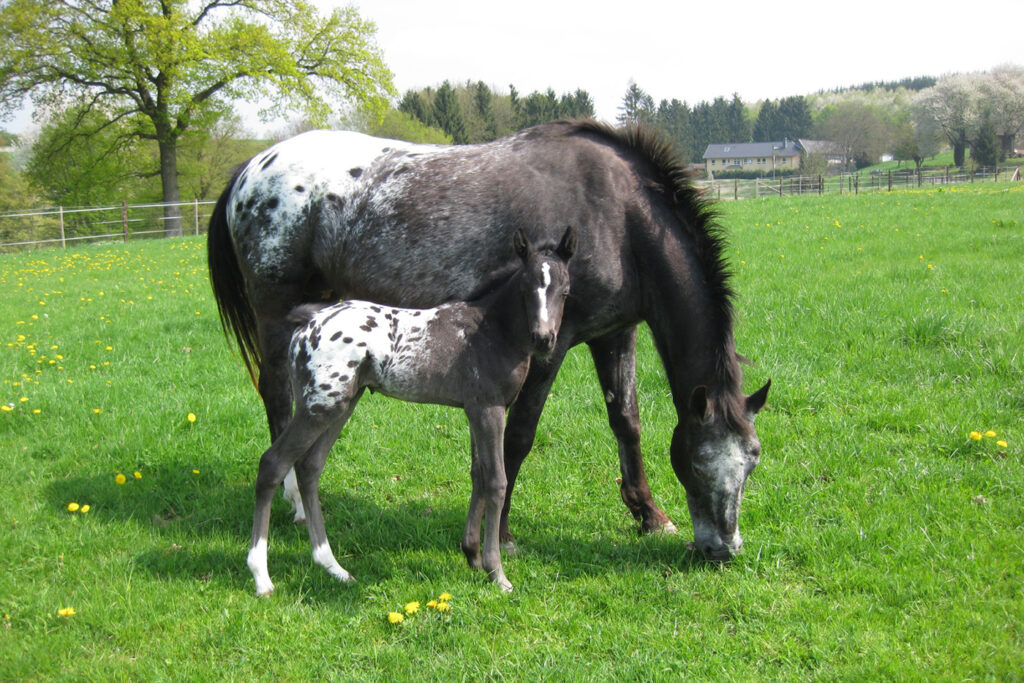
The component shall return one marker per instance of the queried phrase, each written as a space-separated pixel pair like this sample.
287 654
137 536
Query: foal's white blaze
323 556
257 561
542 291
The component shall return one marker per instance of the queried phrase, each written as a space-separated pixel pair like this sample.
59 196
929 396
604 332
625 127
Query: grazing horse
471 355
331 215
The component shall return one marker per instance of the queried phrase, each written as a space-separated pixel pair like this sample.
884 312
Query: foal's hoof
264 589
666 528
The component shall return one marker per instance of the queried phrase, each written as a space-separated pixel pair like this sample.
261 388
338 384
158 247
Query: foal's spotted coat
473 355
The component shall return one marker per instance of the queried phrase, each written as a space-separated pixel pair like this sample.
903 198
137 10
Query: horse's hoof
505 585
510 548
264 590
299 520
666 528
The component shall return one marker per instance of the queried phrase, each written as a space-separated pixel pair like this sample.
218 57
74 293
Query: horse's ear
520 244
757 399
699 406
567 247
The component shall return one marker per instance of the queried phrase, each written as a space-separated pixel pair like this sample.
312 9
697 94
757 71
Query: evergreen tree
482 97
414 105
737 128
448 114
674 119
767 122
637 106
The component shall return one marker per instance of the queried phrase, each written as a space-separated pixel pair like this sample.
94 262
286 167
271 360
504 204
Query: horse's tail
236 312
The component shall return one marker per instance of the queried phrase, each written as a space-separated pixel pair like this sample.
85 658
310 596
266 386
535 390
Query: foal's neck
503 313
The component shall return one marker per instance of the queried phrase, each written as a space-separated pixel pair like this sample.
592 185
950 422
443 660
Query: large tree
154 68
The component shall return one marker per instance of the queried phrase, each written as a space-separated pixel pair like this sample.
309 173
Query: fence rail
850 183
63 225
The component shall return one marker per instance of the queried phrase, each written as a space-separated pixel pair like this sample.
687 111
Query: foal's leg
615 360
521 428
471 536
276 461
487 426
308 471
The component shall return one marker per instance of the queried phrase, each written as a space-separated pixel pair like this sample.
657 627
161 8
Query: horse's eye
699 472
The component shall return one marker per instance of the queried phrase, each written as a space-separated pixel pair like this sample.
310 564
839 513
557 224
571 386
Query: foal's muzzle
543 342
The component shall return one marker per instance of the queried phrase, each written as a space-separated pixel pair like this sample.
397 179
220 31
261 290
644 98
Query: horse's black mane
699 218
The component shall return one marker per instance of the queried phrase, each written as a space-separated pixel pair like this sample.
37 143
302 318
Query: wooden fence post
196 206
124 218
60 213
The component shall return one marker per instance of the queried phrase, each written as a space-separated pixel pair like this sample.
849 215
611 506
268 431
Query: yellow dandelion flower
976 435
138 475
120 479
73 507
443 607
432 604
97 411
990 434
84 509
191 417
66 611
412 607
6 408
396 617
1002 443
195 471
444 597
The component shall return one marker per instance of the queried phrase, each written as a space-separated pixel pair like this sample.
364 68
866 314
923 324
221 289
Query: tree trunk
169 183
960 149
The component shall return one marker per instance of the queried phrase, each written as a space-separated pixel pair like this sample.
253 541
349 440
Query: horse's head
713 452
545 286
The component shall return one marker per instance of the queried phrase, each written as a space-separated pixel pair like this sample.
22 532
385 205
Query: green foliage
398 125
158 69
881 539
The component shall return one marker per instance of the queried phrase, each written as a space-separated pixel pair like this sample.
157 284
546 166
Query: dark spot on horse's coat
334 337
343 378
416 314
335 394
353 363
361 344
325 387
375 309
414 330
238 207
347 340
365 328
385 150
355 172
271 159
334 375
272 203
300 188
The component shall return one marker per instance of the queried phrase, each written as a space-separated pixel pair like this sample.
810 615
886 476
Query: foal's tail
236 312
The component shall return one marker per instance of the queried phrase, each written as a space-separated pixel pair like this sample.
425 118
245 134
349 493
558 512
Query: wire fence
64 226
67 226
851 183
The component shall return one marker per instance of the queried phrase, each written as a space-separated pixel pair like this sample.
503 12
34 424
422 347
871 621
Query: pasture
884 534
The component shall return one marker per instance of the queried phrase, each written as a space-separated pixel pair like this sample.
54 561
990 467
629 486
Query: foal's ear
520 244
567 247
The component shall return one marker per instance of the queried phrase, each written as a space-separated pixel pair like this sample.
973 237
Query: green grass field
882 541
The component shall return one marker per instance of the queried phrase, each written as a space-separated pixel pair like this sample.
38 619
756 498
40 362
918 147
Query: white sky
684 49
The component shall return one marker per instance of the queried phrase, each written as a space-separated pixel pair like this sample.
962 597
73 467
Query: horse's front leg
275 333
615 360
487 425
521 429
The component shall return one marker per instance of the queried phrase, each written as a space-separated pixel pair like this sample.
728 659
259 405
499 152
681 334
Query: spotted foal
473 355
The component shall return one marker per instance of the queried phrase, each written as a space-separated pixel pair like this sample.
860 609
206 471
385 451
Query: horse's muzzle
719 553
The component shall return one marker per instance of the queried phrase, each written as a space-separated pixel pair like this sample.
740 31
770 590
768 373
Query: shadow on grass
195 526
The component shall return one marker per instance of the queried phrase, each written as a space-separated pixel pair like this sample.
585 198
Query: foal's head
544 286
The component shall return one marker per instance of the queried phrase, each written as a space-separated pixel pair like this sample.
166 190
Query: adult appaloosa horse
331 215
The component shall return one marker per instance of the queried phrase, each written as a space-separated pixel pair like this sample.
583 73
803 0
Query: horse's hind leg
276 461
275 333
615 360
